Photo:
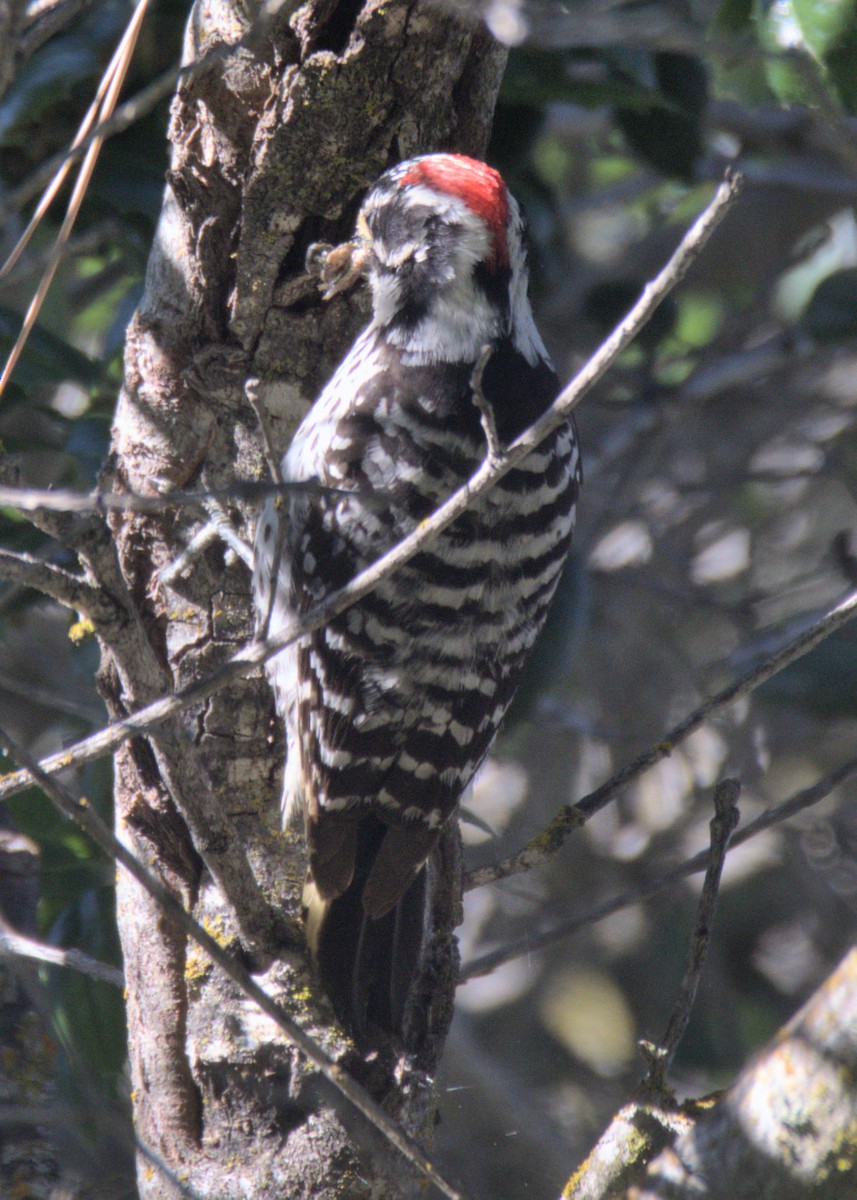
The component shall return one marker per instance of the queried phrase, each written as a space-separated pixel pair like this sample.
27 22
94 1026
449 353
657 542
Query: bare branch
44 19
82 708
486 963
488 474
60 585
14 943
65 500
545 845
213 832
87 819
111 84
638 1132
726 817
217 528
182 1188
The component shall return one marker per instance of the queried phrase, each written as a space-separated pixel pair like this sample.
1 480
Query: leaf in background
734 16
91 1016
823 23
829 30
607 302
64 68
822 32
832 311
589 78
47 359
668 133
742 74
71 865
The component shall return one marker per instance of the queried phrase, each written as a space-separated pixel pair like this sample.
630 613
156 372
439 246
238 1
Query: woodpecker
390 709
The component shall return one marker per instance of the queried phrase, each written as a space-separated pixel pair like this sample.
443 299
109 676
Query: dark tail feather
367 967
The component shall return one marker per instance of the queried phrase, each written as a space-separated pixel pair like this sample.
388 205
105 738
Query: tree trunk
276 133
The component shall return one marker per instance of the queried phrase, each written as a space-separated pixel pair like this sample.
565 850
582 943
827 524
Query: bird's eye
433 225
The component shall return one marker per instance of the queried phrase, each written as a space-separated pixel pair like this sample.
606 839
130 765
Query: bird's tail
368 966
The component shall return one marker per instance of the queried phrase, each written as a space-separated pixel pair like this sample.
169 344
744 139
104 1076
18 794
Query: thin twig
783 1123
89 119
217 528
226 532
485 963
114 78
127 114
80 246
60 585
546 844
44 19
722 826
488 474
87 819
14 943
197 545
90 712
182 1187
25 499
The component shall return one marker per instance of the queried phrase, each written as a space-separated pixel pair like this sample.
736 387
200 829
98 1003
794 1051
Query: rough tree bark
275 135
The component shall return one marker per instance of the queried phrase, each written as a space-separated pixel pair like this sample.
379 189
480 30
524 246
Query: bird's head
442 242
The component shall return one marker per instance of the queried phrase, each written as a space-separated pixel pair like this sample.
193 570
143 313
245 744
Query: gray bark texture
276 133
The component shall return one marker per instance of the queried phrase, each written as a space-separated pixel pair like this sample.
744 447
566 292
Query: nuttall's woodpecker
390 708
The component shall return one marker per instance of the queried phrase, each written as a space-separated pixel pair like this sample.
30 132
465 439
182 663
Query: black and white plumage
391 708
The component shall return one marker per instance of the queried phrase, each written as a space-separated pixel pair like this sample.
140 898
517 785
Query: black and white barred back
391 708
